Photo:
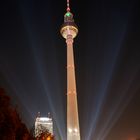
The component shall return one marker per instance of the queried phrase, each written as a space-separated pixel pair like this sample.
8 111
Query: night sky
107 61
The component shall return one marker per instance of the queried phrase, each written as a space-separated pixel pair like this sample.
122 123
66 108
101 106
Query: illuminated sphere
69 27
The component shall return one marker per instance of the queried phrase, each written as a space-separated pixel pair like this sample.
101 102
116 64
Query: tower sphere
69 27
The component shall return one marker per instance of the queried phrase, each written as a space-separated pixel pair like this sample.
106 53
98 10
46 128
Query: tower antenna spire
68 5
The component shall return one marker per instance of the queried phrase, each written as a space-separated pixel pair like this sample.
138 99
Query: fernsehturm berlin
69 30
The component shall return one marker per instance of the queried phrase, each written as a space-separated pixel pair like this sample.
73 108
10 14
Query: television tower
69 30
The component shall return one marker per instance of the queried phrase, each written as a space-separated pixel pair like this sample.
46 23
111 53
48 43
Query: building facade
43 125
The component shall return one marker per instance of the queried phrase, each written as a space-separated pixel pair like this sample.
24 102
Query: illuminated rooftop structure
43 124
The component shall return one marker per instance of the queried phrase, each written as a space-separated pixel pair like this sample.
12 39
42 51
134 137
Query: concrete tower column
73 132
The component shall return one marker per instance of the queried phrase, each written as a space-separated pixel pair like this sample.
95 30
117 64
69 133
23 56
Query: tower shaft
73 132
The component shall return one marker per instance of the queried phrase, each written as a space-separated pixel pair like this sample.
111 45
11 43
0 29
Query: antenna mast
68 5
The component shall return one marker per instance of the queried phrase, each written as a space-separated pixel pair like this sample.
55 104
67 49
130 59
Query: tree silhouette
11 126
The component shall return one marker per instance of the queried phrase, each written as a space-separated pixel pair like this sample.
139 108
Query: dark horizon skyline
107 61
